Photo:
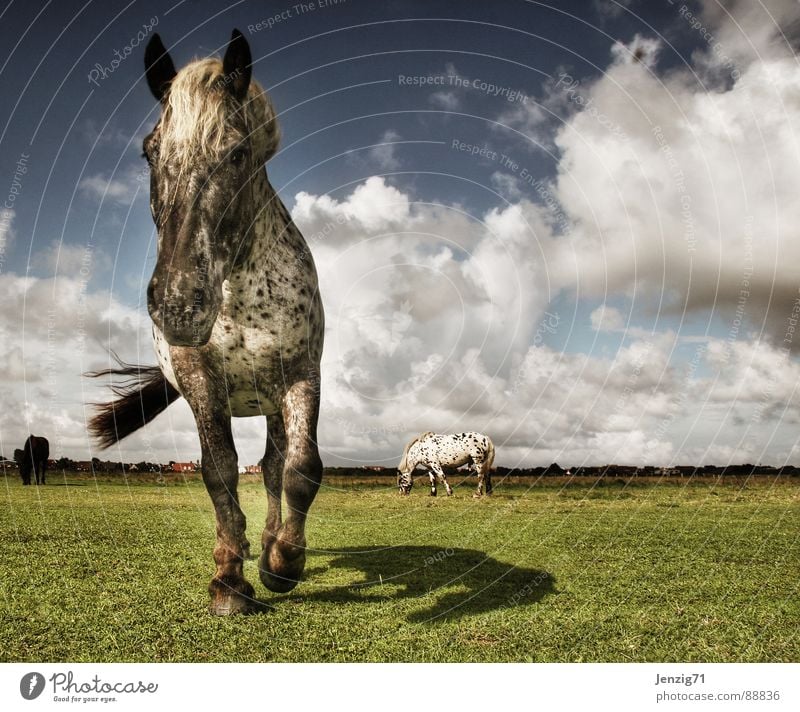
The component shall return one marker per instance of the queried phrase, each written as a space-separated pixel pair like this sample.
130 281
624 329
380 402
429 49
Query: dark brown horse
33 459
237 320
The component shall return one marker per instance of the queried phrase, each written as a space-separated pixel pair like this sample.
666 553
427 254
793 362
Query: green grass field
694 571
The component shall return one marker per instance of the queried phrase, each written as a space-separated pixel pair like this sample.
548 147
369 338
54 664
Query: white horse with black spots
443 454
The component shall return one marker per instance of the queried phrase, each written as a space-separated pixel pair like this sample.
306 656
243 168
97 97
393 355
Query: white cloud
748 32
606 318
384 153
433 315
697 208
78 261
374 205
6 230
424 333
122 187
445 100
450 99
52 330
506 185
640 50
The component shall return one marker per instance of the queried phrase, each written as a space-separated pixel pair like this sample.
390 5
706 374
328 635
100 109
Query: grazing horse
33 458
237 319
442 454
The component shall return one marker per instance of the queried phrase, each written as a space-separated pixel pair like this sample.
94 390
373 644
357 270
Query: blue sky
332 72
374 101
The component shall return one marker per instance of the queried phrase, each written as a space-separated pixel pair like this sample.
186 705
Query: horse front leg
272 470
440 473
284 555
230 592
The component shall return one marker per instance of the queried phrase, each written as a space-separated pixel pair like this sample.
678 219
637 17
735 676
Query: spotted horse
443 454
237 319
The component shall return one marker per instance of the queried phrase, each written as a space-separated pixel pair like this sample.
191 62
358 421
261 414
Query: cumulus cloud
698 208
51 330
384 153
606 318
506 185
6 230
373 205
450 99
669 195
747 32
424 333
445 100
121 187
72 260
640 50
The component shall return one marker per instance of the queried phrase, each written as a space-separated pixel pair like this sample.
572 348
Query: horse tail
141 396
490 452
404 460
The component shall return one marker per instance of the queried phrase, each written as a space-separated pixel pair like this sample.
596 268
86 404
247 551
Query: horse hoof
230 601
281 566
477 495
276 583
233 605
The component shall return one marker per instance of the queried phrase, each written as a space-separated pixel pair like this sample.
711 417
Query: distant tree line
554 470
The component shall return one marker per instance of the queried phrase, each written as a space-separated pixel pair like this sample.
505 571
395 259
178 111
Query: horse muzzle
183 321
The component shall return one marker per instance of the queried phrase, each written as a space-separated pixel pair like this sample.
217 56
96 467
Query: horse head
404 481
216 130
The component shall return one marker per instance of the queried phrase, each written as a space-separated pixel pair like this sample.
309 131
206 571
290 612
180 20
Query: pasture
616 571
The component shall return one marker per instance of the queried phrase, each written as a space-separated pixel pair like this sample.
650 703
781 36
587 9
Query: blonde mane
199 111
404 460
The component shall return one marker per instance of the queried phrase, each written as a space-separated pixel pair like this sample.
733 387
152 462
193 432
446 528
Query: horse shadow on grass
448 583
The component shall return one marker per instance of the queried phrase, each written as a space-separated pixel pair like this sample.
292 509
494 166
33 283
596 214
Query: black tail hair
143 393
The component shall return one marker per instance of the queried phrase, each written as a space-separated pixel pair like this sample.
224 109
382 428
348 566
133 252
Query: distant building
252 469
184 467
668 472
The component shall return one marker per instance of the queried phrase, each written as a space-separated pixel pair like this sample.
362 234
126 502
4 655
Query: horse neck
275 240
414 457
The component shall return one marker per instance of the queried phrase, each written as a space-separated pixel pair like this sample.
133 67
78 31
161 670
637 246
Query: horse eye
238 156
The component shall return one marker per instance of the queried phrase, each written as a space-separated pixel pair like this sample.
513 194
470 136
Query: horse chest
255 348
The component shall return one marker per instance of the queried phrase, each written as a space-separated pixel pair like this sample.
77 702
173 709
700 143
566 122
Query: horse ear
236 66
159 69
